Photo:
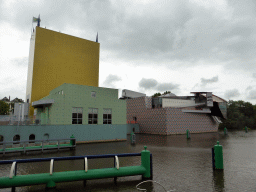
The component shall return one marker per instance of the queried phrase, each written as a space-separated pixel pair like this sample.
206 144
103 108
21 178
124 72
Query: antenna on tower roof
38 21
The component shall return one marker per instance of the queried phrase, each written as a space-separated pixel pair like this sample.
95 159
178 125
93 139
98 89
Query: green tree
4 108
166 92
156 95
159 94
17 100
239 115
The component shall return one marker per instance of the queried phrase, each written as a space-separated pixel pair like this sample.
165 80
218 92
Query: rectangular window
107 116
93 94
77 115
93 116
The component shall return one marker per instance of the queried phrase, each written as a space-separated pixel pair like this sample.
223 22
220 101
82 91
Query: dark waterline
178 163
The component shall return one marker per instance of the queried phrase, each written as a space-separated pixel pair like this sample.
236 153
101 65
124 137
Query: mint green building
80 104
91 114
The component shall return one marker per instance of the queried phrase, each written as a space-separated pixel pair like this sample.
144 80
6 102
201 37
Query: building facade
80 104
174 115
91 114
56 58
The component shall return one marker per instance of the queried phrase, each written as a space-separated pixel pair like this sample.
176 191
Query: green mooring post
72 140
188 134
145 162
246 129
225 131
132 138
218 156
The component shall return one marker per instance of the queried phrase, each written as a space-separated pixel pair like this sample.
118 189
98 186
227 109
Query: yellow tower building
56 58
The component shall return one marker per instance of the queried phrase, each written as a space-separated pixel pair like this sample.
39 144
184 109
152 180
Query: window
16 138
46 136
31 138
77 115
1 139
93 116
93 94
107 116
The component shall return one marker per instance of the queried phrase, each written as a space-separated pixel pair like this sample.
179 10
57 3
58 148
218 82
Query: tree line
6 108
239 115
159 94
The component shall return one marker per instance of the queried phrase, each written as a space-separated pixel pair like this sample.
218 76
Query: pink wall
179 122
167 120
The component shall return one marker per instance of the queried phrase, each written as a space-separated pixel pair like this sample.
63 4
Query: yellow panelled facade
60 58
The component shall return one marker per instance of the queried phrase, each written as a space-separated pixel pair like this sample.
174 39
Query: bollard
145 162
188 134
225 131
218 156
72 141
133 138
246 129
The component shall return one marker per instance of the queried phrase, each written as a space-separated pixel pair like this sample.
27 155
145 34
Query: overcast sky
146 46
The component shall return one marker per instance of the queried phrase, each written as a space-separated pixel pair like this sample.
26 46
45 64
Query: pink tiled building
156 117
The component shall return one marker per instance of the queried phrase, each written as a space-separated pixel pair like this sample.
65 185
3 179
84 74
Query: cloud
169 34
211 80
13 93
187 32
147 83
166 86
248 88
231 93
52 13
23 61
177 31
205 81
111 80
152 84
252 94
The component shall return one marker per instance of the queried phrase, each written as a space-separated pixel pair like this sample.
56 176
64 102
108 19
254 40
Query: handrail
69 158
145 169
46 140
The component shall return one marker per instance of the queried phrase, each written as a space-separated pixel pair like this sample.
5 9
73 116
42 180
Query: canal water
178 164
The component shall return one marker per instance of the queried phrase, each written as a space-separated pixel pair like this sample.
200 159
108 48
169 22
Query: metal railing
44 145
12 120
13 171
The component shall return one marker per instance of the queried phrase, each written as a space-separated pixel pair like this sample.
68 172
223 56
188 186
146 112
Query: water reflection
218 180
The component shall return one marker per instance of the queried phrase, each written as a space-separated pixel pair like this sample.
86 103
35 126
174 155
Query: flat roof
201 92
43 102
